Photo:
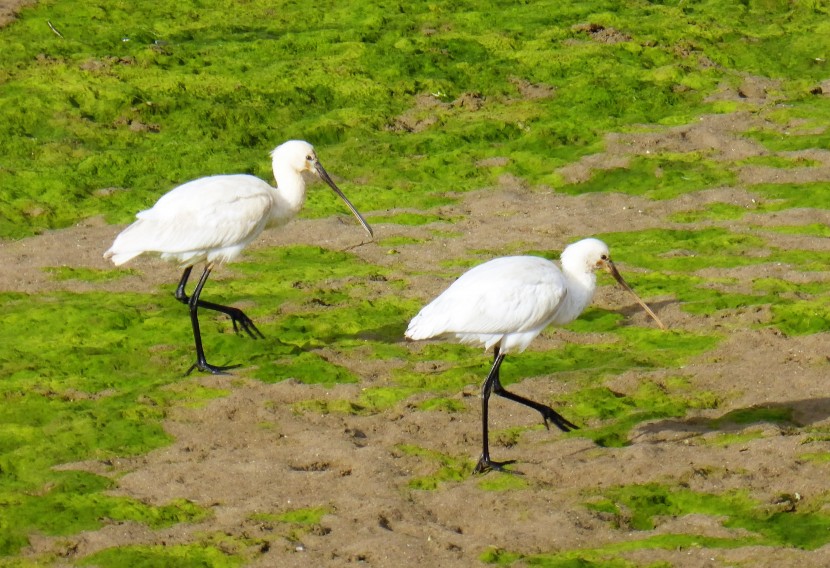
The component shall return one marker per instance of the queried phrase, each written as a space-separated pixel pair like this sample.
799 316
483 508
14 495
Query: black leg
485 464
238 318
548 414
493 386
180 293
194 303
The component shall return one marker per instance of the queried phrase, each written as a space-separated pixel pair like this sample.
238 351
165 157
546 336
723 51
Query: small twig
51 27
360 244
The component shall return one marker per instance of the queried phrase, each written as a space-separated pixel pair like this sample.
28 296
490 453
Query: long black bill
325 177
612 270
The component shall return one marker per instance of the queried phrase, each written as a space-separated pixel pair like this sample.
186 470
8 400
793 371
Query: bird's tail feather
419 329
129 243
121 257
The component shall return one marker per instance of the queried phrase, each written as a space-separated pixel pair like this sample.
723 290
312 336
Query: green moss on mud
96 373
117 111
791 523
617 413
450 468
639 506
174 556
70 395
87 274
405 104
661 177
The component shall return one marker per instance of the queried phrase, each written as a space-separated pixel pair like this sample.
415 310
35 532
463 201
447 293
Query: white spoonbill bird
505 303
211 219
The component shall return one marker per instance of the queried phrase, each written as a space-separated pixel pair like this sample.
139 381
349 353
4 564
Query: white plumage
212 219
505 304
209 219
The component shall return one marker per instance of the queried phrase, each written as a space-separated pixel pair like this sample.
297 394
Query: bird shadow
389 333
793 414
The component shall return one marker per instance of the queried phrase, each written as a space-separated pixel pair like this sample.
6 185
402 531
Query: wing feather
204 214
505 295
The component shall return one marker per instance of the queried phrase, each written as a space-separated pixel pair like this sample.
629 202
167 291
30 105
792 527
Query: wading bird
505 303
211 219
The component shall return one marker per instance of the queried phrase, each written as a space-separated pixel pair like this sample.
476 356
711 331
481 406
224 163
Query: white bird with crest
212 219
505 303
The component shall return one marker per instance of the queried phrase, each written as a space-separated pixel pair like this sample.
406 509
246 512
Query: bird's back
211 218
507 300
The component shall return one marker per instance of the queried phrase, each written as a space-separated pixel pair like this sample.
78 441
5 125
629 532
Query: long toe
206 367
486 464
558 420
241 322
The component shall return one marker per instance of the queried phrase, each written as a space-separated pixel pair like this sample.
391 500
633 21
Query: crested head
585 256
297 155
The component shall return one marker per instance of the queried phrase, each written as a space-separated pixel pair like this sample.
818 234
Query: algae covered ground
691 136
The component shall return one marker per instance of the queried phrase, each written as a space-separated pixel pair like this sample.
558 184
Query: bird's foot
485 464
244 323
206 367
550 415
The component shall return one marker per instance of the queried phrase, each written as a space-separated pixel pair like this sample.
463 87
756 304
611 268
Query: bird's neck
289 194
581 286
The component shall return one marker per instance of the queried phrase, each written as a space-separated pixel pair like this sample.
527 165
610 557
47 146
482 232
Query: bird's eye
309 158
604 257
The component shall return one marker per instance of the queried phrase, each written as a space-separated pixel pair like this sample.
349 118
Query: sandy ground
223 459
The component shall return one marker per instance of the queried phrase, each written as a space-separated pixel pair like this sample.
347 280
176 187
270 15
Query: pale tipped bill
608 264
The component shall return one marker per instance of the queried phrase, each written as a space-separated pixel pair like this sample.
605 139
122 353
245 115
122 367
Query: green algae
304 367
311 516
443 404
570 559
449 468
794 309
370 401
673 250
104 120
72 502
661 177
810 230
293 524
398 241
814 195
71 396
96 373
805 119
114 112
609 555
619 413
687 251
712 212
638 507
755 414
803 317
818 457
729 439
674 256
780 162
630 348
503 481
61 273
288 270
175 556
